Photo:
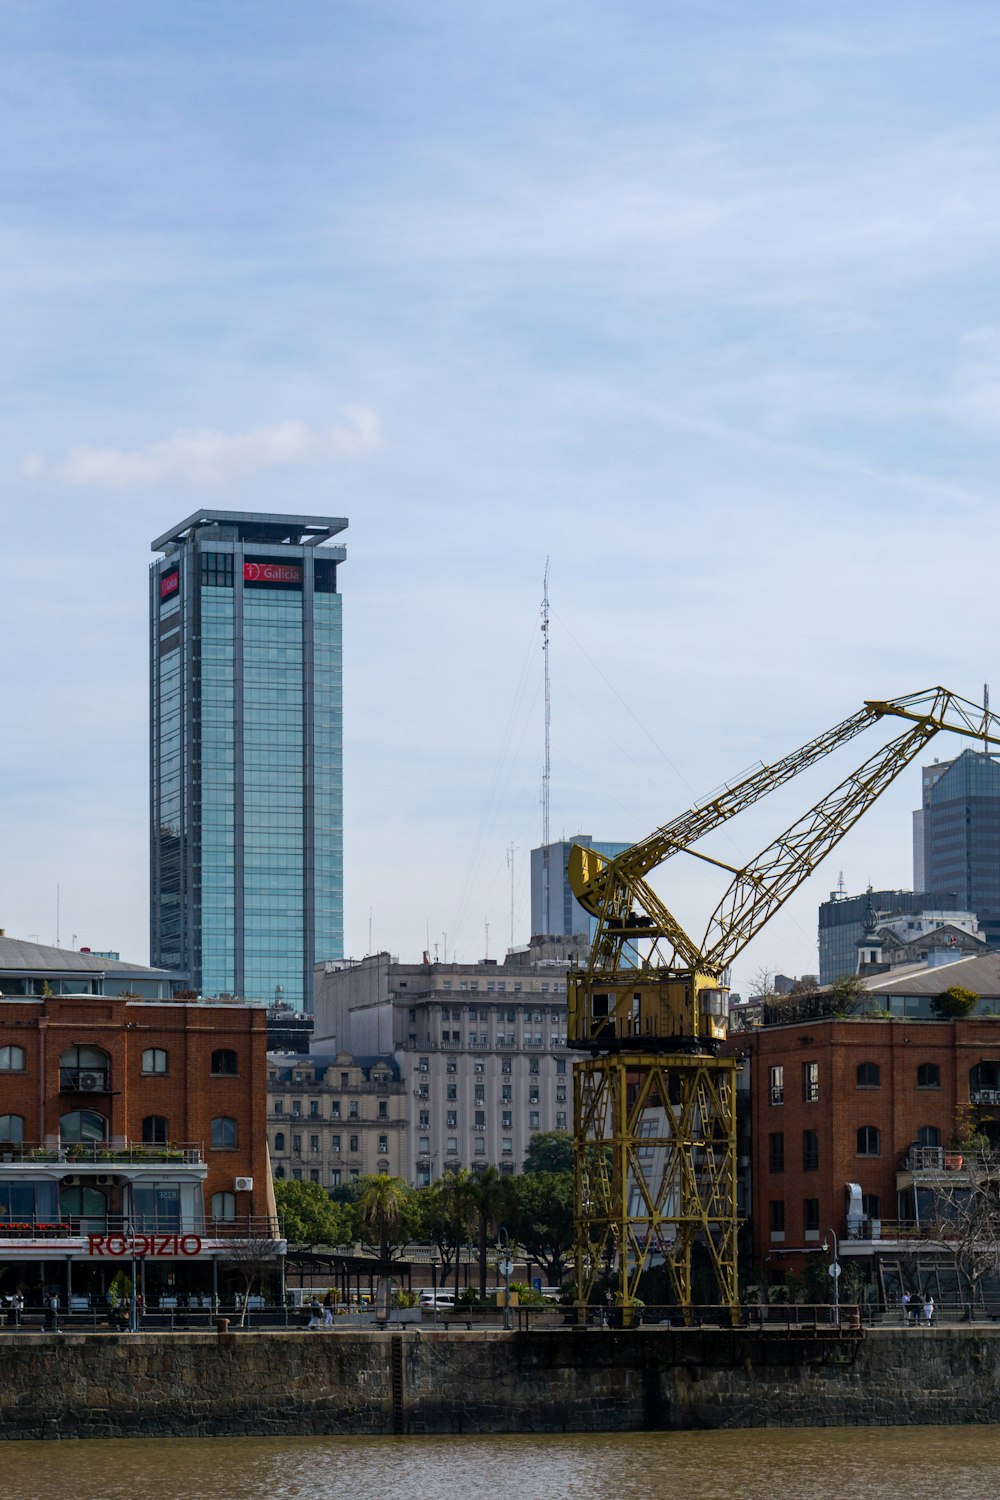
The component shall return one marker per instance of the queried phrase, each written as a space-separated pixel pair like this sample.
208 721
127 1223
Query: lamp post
834 1269
505 1267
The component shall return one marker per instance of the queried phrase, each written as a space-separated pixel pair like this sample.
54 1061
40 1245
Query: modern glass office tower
959 829
246 785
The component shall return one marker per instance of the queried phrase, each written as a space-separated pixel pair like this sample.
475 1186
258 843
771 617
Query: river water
859 1463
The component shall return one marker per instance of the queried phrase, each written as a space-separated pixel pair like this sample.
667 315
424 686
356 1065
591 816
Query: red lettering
193 1241
116 1244
95 1244
168 584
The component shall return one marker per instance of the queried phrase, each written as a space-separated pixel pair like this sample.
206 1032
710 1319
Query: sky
693 303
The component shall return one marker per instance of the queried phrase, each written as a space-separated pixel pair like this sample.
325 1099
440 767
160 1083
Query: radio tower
546 914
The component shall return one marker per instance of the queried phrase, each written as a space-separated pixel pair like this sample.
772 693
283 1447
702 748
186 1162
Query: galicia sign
143 1244
169 583
259 572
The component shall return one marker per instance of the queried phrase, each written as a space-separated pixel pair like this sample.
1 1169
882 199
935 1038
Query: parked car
439 1300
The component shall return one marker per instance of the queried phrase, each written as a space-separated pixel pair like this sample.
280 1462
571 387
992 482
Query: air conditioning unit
91 1083
244 1184
105 1179
71 1181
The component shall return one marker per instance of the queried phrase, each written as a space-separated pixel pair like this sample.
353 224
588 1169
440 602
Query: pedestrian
328 1310
315 1311
928 1309
905 1301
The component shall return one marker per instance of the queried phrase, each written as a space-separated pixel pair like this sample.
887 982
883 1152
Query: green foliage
955 1002
309 1217
542 1221
526 1295
402 1298
848 994
386 1212
550 1151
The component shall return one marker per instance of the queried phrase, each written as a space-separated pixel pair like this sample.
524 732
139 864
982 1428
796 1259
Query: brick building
129 1126
849 1123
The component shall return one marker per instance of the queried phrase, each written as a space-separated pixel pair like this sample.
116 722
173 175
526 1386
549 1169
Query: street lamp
834 1269
505 1267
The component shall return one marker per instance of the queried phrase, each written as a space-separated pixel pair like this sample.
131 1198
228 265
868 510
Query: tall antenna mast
546 924
510 866
986 718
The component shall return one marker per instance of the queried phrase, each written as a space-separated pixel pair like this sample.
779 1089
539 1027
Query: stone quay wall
562 1380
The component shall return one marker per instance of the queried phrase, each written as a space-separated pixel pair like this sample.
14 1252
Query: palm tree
382 1205
451 1208
493 1197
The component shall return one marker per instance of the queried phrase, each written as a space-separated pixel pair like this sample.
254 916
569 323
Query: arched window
280 1174
224 1205
225 1063
928 1135
12 1129
154 1060
869 1076
154 1130
279 1140
868 1141
11 1059
928 1076
223 1133
84 1070
82 1126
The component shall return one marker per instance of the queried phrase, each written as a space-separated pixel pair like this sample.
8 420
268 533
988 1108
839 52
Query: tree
250 1256
542 1223
967 1210
551 1151
762 984
447 1210
955 1002
385 1213
494 1198
309 1217
848 994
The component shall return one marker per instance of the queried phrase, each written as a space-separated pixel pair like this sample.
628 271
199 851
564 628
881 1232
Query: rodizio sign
143 1244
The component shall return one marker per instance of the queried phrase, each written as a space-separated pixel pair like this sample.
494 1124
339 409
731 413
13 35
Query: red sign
271 573
169 583
143 1244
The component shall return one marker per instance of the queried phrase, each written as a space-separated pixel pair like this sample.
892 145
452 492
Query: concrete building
480 1048
842 922
129 1127
246 819
555 911
30 968
849 1123
334 1118
957 834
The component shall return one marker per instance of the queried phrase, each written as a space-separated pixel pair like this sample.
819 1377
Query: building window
353 1110
928 1076
505 1065
353 1143
154 1060
154 1130
313 1108
810 1082
533 1065
279 1141
335 1177
560 1065
561 1120
506 1145
451 1118
533 1096
506 1094
810 1215
11 1129
345 1078
871 1205
297 1145
777 1085
314 1143
869 1076
297 1108
225 1063
868 1141
314 1174
810 1150
335 1144
776 1216
452 1146
279 1106
223 1133
776 1151
451 1091
383 1109
224 1206
928 1135
81 1126
451 1066
11 1059
424 1145
383 1144
480 1146
533 1120
334 1109
480 1120
424 1119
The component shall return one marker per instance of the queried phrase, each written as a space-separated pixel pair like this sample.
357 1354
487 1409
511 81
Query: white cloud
210 459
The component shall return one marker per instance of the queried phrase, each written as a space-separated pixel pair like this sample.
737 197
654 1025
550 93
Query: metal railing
71 1226
102 1153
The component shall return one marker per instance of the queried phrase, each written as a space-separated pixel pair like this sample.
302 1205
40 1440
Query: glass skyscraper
246 782
958 827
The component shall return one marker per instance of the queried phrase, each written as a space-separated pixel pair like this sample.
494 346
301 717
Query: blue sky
699 301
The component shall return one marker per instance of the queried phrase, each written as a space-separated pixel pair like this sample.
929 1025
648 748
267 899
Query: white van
442 1301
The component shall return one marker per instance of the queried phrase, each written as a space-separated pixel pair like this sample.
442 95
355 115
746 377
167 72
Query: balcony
100 1155
71 1226
84 1081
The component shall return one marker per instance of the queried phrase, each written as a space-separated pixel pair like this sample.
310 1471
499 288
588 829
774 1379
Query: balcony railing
103 1154
72 1226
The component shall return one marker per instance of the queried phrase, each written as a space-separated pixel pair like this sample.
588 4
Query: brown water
890 1463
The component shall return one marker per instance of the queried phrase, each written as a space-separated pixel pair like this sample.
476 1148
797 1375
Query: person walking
315 1314
928 1309
905 1304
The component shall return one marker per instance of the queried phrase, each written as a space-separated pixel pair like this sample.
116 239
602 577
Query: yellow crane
654 1109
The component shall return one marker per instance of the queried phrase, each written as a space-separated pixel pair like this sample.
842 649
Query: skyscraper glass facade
961 834
247 752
